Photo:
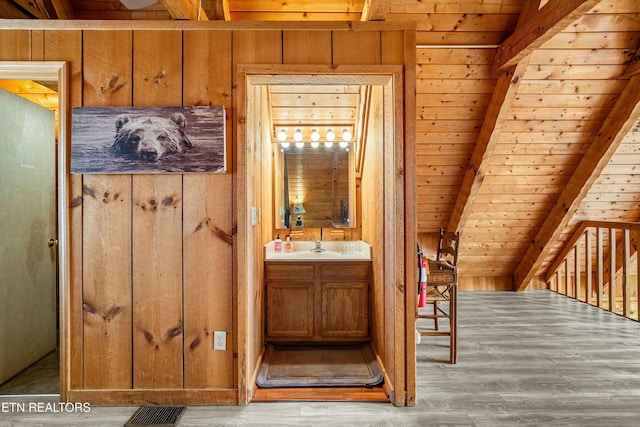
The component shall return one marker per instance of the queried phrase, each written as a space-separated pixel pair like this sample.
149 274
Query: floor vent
156 416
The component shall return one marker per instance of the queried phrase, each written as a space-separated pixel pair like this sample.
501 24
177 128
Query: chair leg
453 323
435 315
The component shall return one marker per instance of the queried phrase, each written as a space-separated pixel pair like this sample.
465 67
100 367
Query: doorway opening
377 142
34 141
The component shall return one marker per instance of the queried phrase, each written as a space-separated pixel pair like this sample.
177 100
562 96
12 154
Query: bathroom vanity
320 296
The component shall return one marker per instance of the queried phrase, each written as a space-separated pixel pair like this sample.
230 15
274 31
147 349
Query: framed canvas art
126 140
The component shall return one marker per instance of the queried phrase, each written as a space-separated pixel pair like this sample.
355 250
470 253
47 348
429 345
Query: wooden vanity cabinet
317 301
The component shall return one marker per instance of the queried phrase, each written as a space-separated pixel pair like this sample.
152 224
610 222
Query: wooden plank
249 47
306 47
619 121
106 299
504 92
157 227
207 226
107 278
367 53
15 45
67 46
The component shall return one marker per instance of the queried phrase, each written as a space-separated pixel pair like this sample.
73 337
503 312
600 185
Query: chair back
448 247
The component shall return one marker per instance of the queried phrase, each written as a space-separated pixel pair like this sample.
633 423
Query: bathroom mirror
314 187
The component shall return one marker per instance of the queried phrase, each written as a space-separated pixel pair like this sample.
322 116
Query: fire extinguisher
422 287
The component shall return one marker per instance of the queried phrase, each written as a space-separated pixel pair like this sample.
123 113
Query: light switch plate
254 216
219 340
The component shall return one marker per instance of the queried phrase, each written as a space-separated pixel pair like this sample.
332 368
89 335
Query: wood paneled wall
159 262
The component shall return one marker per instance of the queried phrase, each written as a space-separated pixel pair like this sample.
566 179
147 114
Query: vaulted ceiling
527 111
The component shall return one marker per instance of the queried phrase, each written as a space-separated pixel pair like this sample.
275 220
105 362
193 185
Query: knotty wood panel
367 51
106 268
15 45
157 281
207 228
106 225
306 47
157 227
251 47
67 46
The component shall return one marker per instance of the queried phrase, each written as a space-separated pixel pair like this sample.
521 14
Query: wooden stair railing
599 266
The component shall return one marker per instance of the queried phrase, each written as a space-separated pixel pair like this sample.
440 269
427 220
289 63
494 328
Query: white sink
332 251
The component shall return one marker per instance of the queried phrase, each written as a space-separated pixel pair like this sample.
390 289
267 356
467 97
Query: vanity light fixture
282 135
346 135
344 144
328 144
315 144
297 135
299 144
315 135
330 136
284 144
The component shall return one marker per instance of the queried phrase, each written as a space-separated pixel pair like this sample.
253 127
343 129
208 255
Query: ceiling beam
375 10
185 9
552 18
499 106
221 10
620 120
62 8
33 8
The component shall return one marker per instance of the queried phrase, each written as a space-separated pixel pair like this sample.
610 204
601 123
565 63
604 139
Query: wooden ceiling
527 111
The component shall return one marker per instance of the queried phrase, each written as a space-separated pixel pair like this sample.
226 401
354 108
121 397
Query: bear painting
148 139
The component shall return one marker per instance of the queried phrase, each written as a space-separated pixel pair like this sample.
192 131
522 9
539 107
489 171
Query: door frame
55 71
399 305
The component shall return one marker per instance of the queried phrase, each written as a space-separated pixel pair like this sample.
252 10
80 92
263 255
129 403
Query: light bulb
298 135
282 135
299 144
284 144
344 144
346 135
315 144
315 135
330 135
328 144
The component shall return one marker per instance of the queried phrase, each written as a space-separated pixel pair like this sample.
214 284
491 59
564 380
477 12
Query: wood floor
525 359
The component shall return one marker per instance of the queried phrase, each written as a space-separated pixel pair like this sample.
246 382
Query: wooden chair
442 290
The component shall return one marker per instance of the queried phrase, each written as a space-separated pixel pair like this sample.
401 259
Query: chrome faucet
318 248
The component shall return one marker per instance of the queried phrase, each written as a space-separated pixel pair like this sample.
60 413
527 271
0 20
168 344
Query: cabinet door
289 310
345 309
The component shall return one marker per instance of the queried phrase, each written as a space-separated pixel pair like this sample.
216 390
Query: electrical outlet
219 340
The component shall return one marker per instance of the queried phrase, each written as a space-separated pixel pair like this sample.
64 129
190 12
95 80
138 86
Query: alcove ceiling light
137 4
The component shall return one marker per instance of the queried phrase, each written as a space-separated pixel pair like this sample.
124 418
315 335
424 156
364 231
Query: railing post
626 280
588 265
612 269
599 266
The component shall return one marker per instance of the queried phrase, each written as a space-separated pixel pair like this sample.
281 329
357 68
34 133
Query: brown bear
150 137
